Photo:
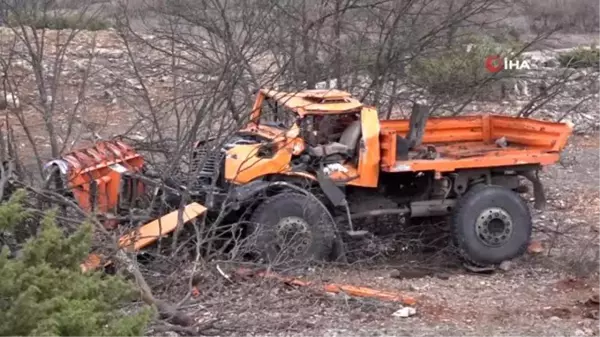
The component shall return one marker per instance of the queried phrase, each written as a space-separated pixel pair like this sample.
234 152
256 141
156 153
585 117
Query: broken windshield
276 115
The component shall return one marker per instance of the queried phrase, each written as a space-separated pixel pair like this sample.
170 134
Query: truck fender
245 192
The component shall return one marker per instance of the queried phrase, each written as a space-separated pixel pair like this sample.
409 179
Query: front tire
293 228
491 224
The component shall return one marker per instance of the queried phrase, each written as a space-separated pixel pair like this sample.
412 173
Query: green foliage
580 58
59 22
12 212
44 292
460 70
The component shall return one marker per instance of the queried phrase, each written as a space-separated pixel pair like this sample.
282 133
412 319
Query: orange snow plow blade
147 234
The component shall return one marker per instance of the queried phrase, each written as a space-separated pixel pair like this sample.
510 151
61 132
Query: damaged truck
312 163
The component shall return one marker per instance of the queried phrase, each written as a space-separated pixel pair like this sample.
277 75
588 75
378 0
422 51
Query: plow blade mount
147 234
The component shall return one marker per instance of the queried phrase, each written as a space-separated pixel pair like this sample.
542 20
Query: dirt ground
543 293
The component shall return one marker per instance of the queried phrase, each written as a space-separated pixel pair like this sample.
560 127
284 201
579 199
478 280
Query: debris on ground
350 290
535 247
405 312
505 265
479 269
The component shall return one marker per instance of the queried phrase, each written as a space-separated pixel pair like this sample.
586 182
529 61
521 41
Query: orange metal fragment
147 234
150 232
92 262
535 247
337 288
368 292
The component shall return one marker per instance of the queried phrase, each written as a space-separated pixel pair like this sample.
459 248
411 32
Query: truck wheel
292 227
491 224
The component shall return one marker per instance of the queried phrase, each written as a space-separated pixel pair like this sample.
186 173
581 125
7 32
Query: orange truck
314 163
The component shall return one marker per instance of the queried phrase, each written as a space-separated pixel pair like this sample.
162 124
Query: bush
570 15
44 292
58 22
458 71
580 58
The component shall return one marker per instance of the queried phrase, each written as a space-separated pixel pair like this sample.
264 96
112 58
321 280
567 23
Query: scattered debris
443 276
501 142
223 274
334 288
405 312
505 265
594 299
411 273
479 269
414 273
558 312
334 168
535 247
593 314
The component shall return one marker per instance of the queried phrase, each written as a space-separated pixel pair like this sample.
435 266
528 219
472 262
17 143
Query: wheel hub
293 233
494 226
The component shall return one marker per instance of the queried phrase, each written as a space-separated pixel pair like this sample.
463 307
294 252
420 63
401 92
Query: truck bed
470 142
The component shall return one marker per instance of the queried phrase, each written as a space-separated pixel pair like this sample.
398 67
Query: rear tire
309 223
491 224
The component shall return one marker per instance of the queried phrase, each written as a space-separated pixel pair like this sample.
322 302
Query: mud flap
538 189
333 193
147 234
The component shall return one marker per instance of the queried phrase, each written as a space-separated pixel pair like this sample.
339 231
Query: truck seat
346 146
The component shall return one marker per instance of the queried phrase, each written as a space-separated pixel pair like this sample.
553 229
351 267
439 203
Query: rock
134 83
410 273
9 101
579 332
108 94
443 276
505 265
551 63
555 318
171 334
109 53
405 312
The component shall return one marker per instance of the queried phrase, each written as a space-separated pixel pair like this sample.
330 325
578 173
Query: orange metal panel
146 234
307 102
368 165
449 165
243 165
469 142
152 231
